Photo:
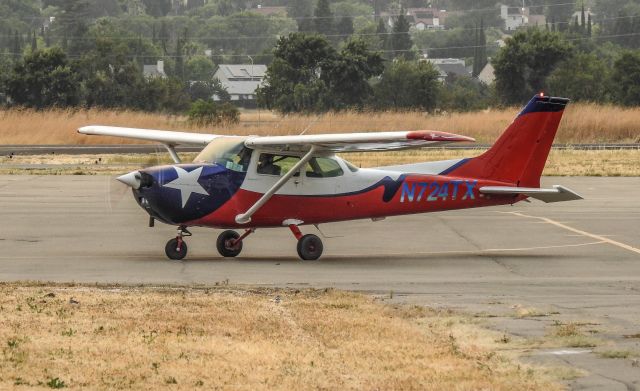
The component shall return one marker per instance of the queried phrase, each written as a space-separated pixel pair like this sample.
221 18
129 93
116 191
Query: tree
308 75
43 79
301 11
480 52
524 63
381 33
582 77
560 11
323 18
626 79
400 39
408 85
199 68
462 93
293 81
347 77
204 113
344 27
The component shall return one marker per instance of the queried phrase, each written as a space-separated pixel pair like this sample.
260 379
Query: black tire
222 244
171 249
310 247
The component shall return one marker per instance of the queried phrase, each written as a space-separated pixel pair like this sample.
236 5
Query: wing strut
172 151
245 217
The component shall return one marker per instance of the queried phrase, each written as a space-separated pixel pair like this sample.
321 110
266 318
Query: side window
269 164
240 161
323 167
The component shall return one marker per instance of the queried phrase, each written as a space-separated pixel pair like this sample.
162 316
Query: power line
312 17
271 36
381 51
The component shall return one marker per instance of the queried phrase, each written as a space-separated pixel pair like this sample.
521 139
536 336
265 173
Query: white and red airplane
290 181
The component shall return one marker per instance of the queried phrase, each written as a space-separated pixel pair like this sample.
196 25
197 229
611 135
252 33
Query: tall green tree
560 11
344 27
348 76
401 42
480 52
308 75
581 77
323 18
523 64
43 79
626 79
407 85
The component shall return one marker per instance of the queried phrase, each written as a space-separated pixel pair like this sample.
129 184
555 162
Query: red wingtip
434 135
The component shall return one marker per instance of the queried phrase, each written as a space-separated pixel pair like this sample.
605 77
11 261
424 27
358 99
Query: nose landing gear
176 248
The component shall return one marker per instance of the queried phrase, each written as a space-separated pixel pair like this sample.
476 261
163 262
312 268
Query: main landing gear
309 246
229 244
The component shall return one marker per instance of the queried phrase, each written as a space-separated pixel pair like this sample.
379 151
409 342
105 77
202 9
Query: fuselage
330 189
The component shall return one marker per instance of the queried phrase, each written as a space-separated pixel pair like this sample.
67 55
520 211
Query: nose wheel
176 248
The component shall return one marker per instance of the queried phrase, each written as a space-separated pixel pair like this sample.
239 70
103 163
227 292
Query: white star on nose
187 183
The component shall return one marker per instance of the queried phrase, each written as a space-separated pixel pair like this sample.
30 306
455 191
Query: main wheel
174 251
310 247
225 246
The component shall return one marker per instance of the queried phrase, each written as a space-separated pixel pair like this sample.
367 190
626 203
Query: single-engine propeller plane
290 181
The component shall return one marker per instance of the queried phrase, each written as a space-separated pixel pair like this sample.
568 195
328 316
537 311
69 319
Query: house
427 18
268 11
419 18
514 17
241 81
450 66
155 70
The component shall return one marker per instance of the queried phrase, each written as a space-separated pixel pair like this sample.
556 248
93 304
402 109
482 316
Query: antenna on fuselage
310 125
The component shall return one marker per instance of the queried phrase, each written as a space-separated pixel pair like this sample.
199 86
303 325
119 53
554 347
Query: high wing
356 142
162 136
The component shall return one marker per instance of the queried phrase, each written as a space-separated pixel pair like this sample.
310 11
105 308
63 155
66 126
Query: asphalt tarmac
575 261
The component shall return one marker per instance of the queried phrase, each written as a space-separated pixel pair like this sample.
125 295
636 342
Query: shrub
212 113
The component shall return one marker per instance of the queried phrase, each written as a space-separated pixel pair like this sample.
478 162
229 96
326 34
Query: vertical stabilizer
519 155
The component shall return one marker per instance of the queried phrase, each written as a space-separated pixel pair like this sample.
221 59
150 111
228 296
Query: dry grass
582 123
570 335
222 338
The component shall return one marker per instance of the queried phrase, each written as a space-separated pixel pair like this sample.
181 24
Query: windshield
229 152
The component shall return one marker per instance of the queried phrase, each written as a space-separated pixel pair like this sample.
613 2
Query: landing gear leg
176 248
229 243
309 246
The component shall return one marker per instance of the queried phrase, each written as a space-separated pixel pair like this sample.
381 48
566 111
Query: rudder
520 153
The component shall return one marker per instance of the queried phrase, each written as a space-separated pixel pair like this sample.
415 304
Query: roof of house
152 71
448 66
241 79
262 10
487 75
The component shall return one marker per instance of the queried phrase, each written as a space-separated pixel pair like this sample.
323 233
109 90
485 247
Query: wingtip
433 135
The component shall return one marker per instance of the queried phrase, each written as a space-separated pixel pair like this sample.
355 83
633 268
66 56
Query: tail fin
519 155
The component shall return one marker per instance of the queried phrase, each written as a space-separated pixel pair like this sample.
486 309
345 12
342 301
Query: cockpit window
350 166
270 164
323 167
228 152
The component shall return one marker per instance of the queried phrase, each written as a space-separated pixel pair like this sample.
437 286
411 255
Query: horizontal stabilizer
556 194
